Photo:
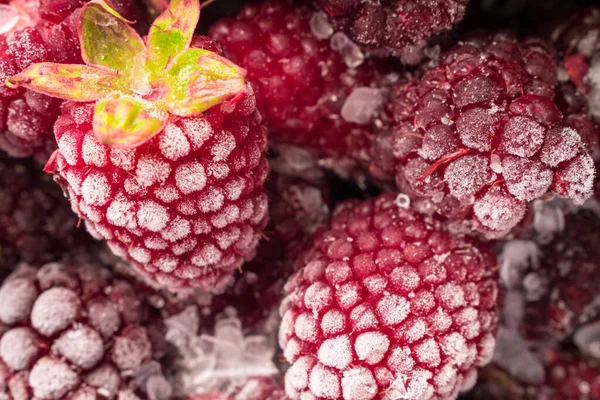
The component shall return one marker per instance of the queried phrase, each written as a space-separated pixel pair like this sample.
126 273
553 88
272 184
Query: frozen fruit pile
299 200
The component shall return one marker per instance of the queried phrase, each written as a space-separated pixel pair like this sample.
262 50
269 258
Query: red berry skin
386 303
402 28
47 33
186 208
76 332
301 83
478 137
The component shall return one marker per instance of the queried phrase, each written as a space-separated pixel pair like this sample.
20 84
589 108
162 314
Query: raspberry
478 137
169 169
36 222
43 31
562 283
386 303
302 84
179 219
74 331
402 28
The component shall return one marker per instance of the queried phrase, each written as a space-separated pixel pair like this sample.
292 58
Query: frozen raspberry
399 27
77 332
567 376
170 172
37 224
478 137
386 305
309 95
562 283
33 32
296 207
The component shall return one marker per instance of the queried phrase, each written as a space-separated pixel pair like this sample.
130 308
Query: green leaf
127 121
69 82
109 42
197 80
171 33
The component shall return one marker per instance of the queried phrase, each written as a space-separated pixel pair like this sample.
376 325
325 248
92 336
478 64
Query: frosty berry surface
299 200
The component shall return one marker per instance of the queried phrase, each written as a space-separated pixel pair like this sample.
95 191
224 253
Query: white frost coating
68 147
320 26
206 256
104 316
223 146
218 170
393 309
228 216
548 218
350 52
361 105
190 177
140 254
336 352
54 310
211 199
52 379
123 158
167 193
496 163
173 144
450 295
198 131
358 384
121 212
371 347
587 339
428 352
17 297
152 216
151 170
306 327
93 152
177 229
413 385
96 189
324 382
454 346
81 345
18 347
513 354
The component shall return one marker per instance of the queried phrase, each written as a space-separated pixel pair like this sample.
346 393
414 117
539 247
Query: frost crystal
320 26
223 359
350 52
361 105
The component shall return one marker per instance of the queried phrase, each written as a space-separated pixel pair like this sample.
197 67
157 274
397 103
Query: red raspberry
561 284
37 224
166 164
478 137
39 31
400 27
302 84
386 304
78 332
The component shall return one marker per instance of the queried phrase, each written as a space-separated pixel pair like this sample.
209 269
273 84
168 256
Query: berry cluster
299 200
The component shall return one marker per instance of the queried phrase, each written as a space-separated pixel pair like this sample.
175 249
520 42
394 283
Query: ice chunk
350 52
513 354
587 339
362 104
320 26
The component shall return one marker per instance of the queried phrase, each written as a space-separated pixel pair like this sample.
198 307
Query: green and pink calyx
138 86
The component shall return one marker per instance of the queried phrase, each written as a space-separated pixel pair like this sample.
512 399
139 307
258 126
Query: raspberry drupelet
78 332
402 28
478 137
301 83
42 31
37 224
161 149
385 304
